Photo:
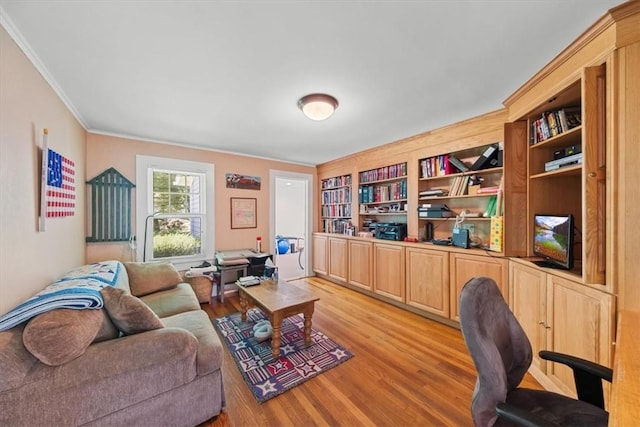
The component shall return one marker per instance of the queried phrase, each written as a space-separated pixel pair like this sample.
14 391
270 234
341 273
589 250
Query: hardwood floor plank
406 370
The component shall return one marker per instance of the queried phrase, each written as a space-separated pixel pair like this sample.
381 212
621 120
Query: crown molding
17 37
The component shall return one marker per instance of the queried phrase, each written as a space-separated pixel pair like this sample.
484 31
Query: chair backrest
498 346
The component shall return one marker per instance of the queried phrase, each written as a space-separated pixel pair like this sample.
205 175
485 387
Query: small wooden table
278 300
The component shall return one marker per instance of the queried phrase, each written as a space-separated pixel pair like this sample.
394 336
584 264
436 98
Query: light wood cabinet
428 280
580 323
528 302
338 267
465 267
559 314
319 247
361 264
389 271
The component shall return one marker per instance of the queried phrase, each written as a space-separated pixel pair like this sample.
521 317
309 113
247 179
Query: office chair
501 353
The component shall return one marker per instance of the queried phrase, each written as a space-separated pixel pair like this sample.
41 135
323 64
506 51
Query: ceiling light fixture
318 106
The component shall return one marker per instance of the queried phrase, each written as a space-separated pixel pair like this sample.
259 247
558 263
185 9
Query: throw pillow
148 277
108 330
129 313
59 336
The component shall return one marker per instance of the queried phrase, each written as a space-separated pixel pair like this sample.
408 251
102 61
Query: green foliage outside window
176 198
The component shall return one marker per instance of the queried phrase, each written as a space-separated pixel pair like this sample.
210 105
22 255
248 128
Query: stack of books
436 192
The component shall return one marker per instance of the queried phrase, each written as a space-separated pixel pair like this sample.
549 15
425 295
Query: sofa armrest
109 376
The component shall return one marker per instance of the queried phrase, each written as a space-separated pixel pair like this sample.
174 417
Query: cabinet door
319 254
338 258
389 266
428 280
360 264
580 321
528 302
594 175
465 267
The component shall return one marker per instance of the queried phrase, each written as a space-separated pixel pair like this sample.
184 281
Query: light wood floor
406 371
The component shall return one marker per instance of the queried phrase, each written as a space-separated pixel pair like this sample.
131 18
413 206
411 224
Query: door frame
308 211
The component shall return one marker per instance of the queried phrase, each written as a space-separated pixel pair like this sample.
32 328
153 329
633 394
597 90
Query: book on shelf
491 207
553 123
457 163
434 192
488 159
488 190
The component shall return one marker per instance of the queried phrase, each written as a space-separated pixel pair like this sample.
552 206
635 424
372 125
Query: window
174 207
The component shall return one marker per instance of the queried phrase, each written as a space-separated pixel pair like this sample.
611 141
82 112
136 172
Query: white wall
29 259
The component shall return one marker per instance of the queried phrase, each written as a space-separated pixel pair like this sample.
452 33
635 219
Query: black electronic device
553 240
460 237
390 231
429 235
441 242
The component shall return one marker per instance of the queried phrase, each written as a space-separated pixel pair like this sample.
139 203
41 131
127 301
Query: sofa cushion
173 301
59 336
210 349
149 277
108 330
15 360
128 312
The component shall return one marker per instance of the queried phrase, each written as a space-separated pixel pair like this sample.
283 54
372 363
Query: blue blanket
78 289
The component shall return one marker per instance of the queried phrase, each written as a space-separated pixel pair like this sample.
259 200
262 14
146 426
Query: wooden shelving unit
336 197
449 180
382 193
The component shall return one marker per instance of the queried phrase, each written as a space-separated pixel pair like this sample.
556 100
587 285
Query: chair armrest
588 376
521 417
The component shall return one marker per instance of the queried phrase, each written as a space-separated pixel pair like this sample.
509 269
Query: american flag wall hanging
58 184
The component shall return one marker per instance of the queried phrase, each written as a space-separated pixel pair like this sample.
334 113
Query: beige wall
30 259
104 152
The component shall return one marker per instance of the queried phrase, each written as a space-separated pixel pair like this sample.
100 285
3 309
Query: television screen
553 239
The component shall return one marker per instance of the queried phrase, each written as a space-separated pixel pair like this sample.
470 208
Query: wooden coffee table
278 300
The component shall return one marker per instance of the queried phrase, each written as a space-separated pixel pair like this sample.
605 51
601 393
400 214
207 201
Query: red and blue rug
267 376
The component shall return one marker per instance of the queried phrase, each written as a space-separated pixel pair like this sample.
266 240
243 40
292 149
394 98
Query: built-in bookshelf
465 186
382 195
336 196
566 169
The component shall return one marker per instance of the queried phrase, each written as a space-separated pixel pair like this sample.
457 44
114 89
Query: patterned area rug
268 377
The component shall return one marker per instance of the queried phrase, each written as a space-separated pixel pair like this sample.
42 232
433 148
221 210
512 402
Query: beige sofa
165 376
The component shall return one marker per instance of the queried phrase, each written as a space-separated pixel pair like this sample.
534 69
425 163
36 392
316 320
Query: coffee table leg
276 324
243 305
307 325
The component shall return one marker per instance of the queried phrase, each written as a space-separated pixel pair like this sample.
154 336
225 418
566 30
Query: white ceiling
227 75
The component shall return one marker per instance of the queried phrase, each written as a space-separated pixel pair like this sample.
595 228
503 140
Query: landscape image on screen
551 235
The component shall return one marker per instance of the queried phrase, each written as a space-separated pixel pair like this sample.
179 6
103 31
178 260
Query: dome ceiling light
318 106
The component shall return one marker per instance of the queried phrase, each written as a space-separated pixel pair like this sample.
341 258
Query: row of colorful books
387 172
336 211
554 123
383 193
342 195
436 166
338 181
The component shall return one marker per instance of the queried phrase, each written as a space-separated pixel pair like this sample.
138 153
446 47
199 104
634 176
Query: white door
290 222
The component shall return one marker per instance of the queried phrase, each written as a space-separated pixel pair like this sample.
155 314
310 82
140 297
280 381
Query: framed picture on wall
243 212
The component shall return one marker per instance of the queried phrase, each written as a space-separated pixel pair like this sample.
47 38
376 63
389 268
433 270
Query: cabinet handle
540 322
592 174
547 327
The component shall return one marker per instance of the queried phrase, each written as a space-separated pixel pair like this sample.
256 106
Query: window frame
145 165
